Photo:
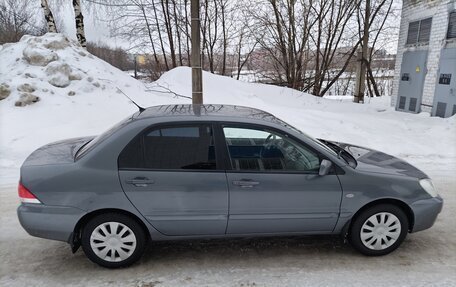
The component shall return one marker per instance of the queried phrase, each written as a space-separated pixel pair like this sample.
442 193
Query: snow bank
78 94
53 89
374 124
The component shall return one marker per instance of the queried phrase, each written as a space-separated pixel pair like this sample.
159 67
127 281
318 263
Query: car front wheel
113 240
379 230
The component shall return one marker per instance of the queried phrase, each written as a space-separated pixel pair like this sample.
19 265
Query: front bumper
425 212
50 222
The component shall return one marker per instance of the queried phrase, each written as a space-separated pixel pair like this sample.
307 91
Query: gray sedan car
217 171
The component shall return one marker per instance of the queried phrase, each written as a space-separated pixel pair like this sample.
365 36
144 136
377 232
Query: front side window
172 147
253 149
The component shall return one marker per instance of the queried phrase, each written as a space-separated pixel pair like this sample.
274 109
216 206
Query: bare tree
282 30
117 57
140 22
303 44
381 30
79 19
48 17
243 44
169 30
17 18
380 13
333 19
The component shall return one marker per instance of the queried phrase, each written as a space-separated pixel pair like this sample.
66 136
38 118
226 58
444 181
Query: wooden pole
358 81
136 67
197 74
360 85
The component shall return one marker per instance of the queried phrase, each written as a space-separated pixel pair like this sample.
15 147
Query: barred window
452 26
419 31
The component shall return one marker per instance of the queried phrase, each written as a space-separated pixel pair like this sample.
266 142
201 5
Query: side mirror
325 167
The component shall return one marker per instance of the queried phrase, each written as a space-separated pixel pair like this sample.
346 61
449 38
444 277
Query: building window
452 26
419 31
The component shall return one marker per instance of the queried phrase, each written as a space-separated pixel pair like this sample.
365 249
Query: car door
274 184
171 174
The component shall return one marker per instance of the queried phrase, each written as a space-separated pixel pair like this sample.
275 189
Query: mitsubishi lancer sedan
217 171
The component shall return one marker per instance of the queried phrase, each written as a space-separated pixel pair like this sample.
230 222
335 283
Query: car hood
57 152
370 160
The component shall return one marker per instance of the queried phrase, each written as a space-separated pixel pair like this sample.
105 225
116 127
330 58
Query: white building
425 70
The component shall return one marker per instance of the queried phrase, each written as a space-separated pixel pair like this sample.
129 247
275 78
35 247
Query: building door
411 81
445 88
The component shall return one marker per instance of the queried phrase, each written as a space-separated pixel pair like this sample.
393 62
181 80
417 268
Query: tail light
25 195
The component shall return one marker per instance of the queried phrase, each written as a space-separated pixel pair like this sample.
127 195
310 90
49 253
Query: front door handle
140 181
245 183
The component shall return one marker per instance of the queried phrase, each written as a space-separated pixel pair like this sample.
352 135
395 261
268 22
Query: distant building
425 71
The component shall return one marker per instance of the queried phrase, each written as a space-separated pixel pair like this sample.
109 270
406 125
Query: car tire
113 240
379 230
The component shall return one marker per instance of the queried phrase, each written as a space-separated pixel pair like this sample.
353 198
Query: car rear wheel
379 230
113 240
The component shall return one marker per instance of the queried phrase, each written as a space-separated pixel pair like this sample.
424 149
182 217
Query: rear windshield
98 139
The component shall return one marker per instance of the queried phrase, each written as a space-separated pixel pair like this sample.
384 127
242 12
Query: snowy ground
426 258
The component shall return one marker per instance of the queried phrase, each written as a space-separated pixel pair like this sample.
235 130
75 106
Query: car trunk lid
59 152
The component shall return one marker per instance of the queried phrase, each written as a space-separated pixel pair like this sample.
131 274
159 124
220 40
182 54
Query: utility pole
136 66
197 74
360 85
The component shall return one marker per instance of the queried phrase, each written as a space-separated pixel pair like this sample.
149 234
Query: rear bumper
425 212
50 222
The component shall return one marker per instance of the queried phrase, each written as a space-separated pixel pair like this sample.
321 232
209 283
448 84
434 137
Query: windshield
321 144
341 153
98 139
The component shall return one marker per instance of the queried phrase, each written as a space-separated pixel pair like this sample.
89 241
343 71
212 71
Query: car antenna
141 109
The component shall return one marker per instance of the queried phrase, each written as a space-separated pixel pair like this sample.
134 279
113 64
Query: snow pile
53 67
51 89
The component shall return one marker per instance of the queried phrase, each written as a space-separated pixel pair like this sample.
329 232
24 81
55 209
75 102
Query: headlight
427 185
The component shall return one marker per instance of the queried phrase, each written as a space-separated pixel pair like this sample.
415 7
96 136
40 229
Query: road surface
426 258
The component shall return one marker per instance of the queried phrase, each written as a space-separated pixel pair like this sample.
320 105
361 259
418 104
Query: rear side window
132 155
172 147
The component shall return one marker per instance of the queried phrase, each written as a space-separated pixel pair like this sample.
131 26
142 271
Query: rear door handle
140 181
245 183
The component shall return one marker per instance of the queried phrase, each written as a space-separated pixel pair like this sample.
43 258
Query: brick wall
413 10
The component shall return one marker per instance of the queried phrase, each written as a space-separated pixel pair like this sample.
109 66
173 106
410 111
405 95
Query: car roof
209 110
203 110
212 112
